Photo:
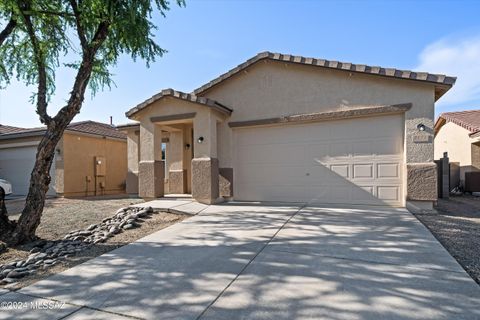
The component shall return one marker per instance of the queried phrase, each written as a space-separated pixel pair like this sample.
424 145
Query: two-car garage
352 161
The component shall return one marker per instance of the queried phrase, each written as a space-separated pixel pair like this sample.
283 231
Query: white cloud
458 57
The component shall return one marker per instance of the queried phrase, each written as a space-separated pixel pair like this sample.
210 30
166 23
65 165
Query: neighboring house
292 129
458 133
90 159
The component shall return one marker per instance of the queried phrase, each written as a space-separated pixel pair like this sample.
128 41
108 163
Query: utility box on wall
100 167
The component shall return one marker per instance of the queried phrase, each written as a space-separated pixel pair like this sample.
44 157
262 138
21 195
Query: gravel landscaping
88 228
457 227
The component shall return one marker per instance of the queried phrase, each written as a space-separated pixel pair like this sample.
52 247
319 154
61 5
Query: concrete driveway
243 261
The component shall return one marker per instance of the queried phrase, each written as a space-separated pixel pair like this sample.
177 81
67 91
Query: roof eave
170 93
442 82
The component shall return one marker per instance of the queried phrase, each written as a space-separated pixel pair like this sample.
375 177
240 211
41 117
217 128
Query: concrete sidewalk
245 261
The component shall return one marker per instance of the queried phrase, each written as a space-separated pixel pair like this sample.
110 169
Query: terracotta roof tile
96 128
469 119
9 129
179 95
89 127
443 83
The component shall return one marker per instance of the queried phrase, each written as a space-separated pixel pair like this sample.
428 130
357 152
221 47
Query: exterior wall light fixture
200 139
421 127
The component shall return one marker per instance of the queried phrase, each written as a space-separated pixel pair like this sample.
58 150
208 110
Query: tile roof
443 83
469 119
96 128
9 129
88 127
179 95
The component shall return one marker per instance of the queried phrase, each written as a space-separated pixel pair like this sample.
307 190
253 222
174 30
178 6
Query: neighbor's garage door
16 165
355 161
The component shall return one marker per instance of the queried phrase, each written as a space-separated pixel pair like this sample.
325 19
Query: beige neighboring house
90 159
291 129
458 134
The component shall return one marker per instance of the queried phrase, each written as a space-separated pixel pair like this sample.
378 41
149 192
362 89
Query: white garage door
355 161
16 165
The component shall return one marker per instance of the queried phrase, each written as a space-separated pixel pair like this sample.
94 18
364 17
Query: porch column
176 174
151 168
133 141
205 162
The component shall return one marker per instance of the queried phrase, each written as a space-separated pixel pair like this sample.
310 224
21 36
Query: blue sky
208 38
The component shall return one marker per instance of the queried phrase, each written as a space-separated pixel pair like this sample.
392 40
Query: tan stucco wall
272 89
79 152
171 106
133 155
455 140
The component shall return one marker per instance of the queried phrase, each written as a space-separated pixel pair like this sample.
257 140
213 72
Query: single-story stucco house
295 129
90 159
458 134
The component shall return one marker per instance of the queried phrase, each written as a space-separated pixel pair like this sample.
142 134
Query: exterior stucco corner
150 179
422 181
205 187
226 182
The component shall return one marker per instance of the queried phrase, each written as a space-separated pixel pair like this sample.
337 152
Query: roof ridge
169 92
439 79
458 112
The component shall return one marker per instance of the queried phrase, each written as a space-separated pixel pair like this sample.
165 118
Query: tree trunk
24 229
39 182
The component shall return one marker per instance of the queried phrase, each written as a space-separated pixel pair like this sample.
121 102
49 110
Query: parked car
6 186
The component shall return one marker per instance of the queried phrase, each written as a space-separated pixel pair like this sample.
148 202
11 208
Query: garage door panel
388 170
342 170
363 171
356 161
388 193
282 154
264 174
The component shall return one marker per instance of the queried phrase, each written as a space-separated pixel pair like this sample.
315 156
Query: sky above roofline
208 38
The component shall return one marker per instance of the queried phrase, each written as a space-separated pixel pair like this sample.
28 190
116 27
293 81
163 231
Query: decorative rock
15 274
47 253
35 249
48 245
9 280
41 255
122 210
6 271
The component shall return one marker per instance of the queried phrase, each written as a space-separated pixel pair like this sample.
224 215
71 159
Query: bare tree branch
8 30
42 73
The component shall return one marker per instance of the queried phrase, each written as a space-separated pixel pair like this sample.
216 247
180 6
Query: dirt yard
457 227
64 215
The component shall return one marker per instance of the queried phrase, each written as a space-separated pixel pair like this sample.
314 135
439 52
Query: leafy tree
35 36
